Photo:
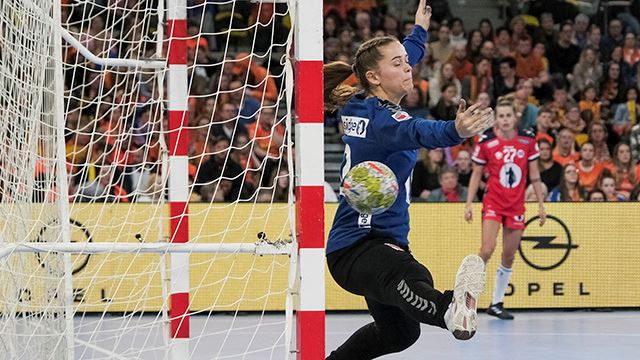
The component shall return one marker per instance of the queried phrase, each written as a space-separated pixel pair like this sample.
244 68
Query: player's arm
474 183
415 42
397 131
534 177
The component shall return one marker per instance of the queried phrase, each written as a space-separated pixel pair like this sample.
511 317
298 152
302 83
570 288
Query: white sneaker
462 316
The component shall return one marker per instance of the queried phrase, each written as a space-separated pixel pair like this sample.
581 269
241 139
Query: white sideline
259 248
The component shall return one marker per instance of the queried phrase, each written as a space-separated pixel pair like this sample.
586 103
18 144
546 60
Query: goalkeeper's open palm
473 121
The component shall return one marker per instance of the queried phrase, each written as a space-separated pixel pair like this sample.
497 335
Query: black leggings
399 294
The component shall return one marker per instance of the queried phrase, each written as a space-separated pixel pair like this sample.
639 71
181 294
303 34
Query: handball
370 187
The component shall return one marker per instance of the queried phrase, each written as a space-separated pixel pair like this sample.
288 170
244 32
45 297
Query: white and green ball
370 187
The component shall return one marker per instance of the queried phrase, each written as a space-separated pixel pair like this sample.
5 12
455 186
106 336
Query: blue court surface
584 335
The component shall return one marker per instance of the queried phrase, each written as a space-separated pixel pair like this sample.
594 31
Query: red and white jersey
507 162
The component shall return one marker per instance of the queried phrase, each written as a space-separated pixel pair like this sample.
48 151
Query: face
504 38
448 181
229 111
566 139
483 67
587 152
436 155
525 89
267 117
566 32
544 119
505 70
476 39
547 23
449 93
329 25
524 47
571 174
443 34
393 73
518 26
590 94
573 115
596 196
624 154
463 160
447 71
487 49
220 149
597 133
630 40
539 50
589 56
460 52
616 55
457 28
505 118
595 35
545 151
632 95
484 100
485 28
608 186
614 71
615 28
560 96
581 25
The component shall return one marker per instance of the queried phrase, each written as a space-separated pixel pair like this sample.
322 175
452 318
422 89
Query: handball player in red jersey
509 156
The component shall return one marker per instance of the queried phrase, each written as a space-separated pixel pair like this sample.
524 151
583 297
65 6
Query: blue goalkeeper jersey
378 130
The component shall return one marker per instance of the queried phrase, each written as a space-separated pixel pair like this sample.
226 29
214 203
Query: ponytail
337 94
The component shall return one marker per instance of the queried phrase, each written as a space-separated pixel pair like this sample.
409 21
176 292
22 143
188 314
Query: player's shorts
510 220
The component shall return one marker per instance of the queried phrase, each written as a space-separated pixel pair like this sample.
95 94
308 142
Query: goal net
146 180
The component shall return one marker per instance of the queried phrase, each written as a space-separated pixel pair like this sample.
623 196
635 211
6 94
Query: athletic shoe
462 317
498 311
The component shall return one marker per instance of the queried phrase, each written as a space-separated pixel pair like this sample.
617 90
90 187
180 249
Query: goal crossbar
257 248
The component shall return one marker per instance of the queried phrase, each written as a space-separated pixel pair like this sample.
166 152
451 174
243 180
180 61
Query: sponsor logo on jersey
355 126
520 153
364 221
523 141
401 116
493 143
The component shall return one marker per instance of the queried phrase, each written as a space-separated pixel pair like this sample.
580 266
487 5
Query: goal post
130 198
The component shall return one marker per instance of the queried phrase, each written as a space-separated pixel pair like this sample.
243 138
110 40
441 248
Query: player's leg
408 285
386 273
511 235
490 228
391 331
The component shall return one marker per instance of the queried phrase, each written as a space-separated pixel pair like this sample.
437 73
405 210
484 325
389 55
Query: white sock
502 281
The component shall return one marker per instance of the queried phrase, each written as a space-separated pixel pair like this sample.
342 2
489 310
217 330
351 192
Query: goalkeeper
369 255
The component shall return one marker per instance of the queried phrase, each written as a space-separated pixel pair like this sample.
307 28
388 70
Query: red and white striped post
309 142
178 93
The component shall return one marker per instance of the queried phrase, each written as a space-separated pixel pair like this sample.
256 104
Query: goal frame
307 274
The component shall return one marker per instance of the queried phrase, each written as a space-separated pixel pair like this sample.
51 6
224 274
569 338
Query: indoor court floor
572 335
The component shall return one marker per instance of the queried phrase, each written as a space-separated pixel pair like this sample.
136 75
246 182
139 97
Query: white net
84 159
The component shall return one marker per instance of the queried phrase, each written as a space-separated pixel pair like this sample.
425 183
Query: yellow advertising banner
586 256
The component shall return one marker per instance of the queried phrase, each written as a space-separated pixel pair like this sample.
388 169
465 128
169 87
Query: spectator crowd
574 86
573 82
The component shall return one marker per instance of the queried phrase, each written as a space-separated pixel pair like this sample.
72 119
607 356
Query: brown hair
367 57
